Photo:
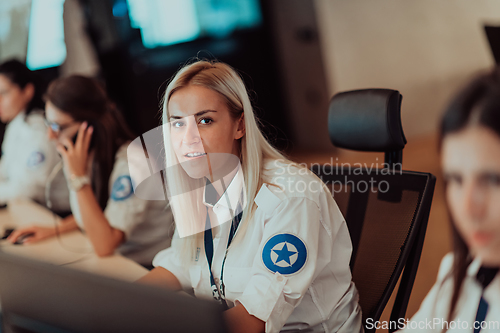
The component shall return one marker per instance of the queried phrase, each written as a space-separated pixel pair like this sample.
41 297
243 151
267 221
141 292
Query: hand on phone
75 154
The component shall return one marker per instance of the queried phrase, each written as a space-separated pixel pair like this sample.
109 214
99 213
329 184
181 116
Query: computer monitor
493 35
43 297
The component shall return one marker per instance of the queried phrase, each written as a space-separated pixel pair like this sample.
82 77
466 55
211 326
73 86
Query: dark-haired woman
28 157
466 296
92 138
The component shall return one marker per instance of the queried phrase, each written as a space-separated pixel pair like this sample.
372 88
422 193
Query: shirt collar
20 116
474 267
233 195
483 275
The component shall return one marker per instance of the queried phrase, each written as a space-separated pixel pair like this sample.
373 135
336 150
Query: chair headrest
367 120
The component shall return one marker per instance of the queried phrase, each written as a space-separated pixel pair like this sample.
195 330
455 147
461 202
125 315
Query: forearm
161 277
239 320
103 237
67 224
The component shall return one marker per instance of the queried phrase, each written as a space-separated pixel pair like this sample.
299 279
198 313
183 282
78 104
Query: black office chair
386 209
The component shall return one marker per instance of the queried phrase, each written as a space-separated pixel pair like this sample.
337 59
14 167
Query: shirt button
279 278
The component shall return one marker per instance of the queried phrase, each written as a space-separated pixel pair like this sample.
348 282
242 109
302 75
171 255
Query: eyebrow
196 114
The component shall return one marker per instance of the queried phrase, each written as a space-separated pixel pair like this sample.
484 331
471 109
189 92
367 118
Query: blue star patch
35 159
284 253
122 188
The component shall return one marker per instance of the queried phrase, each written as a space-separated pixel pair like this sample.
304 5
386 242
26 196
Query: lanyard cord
234 225
218 292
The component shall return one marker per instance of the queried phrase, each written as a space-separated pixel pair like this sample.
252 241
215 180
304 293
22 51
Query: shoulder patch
36 158
122 188
284 253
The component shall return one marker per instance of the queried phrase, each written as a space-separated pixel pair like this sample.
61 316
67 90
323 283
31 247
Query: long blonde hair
254 149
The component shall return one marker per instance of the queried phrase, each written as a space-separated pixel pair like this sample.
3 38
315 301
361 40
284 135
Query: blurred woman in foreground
466 296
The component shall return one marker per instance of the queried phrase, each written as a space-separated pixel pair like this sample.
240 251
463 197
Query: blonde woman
254 232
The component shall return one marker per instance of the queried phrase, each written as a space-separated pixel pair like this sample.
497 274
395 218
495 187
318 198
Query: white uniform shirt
305 285
28 157
148 225
436 304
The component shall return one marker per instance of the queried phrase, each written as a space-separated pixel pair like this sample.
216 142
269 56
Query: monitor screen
493 35
42 297
46 47
167 22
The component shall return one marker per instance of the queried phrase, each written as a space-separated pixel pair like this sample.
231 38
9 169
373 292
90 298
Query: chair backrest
386 213
386 209
368 120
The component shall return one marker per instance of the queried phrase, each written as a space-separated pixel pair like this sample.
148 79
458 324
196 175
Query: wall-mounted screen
46 47
167 22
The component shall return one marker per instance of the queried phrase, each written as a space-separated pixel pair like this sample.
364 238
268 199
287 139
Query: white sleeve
170 260
124 210
437 299
270 296
2 159
2 170
31 171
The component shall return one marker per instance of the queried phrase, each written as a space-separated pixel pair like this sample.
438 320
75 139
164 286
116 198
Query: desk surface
70 249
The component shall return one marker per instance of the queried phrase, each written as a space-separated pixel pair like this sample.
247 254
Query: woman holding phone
92 138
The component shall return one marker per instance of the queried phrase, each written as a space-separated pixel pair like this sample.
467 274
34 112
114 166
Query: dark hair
21 76
476 104
84 99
